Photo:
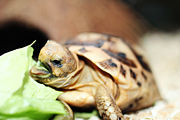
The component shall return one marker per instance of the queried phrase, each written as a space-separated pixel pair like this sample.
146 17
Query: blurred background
22 22
154 24
162 14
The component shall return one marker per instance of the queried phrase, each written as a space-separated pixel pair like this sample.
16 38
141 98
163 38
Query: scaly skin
106 105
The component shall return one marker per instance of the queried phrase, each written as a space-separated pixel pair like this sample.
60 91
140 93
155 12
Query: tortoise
99 70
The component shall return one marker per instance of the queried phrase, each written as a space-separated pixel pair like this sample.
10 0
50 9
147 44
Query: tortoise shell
112 55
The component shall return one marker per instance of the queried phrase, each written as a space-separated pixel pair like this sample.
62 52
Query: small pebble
113 117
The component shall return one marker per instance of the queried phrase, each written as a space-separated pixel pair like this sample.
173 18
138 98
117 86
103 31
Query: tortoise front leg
68 116
106 105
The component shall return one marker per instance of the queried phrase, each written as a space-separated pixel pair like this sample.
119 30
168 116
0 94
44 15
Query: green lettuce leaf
86 115
22 98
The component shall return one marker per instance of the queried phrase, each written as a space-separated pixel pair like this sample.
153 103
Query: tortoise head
55 63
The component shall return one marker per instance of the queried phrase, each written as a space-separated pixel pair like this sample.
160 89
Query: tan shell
128 67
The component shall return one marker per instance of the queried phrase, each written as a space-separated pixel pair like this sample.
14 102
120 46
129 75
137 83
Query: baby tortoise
98 69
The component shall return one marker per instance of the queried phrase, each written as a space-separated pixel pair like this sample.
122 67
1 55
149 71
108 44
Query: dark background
162 14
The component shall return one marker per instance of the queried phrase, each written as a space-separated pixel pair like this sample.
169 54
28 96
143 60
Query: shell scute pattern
129 69
112 55
123 71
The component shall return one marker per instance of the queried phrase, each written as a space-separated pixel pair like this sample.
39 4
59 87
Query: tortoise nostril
15 35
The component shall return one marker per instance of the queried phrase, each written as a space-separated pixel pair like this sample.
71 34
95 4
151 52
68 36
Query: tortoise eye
57 63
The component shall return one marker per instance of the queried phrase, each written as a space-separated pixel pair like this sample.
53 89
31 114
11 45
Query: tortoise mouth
41 71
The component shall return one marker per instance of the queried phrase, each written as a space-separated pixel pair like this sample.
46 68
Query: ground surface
163 52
